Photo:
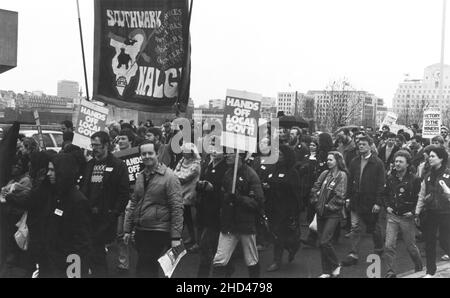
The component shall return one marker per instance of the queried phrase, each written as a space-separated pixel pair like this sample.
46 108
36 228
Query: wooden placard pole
236 161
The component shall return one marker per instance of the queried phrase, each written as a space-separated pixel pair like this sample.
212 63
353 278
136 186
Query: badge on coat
280 175
58 212
108 169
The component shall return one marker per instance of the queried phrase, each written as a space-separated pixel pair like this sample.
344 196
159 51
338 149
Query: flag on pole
142 54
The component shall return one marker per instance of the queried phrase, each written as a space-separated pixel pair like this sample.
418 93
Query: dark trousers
326 227
444 243
288 234
188 219
433 223
208 247
98 264
150 245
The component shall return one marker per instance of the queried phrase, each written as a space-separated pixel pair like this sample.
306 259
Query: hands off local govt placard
240 122
91 118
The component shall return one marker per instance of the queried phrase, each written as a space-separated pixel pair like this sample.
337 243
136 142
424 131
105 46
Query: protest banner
431 123
389 119
142 54
240 122
133 160
91 118
39 129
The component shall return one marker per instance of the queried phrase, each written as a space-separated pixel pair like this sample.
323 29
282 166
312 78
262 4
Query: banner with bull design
142 54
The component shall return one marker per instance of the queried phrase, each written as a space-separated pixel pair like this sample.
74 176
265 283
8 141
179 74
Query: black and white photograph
224 145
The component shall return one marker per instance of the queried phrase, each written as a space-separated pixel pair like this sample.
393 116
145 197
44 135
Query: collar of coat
370 159
160 169
408 175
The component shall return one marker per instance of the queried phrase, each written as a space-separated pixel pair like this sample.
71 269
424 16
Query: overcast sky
254 45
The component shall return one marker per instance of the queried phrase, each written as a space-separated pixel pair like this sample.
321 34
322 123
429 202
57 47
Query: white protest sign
389 119
240 121
91 118
431 123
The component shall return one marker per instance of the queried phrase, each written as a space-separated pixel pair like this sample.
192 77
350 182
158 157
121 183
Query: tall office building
413 96
68 89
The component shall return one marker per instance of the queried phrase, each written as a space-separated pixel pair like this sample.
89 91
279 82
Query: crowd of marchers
81 202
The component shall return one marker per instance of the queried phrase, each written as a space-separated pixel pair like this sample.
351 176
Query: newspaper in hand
171 258
2 198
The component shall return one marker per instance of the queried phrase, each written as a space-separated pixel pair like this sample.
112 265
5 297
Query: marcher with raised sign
238 215
209 199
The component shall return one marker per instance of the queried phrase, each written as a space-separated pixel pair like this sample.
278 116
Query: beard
293 142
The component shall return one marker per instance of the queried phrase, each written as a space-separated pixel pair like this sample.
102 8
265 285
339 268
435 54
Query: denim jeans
326 227
407 226
432 223
373 227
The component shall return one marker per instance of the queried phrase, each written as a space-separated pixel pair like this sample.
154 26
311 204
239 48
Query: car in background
53 139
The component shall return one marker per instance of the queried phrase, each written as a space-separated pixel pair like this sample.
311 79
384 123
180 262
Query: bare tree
342 105
308 108
412 113
445 116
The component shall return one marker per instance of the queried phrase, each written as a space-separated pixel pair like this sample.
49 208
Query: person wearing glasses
106 185
156 212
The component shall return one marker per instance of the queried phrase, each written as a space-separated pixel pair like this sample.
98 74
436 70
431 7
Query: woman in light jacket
328 198
188 172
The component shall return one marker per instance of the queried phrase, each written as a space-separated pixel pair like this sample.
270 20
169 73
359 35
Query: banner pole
82 52
236 161
441 83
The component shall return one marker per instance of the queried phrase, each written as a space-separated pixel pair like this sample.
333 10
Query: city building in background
68 89
216 104
268 108
286 102
413 96
333 108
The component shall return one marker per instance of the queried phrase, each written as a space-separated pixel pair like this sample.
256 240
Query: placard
91 118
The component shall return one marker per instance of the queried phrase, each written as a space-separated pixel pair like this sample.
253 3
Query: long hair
340 162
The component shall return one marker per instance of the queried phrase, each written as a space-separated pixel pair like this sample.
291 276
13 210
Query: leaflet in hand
171 258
